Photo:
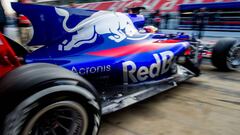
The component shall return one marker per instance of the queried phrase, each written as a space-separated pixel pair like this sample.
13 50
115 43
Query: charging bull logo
118 25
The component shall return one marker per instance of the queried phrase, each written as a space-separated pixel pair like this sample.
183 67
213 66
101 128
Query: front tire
226 55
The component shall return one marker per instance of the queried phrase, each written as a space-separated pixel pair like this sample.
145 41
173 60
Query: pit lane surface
207 105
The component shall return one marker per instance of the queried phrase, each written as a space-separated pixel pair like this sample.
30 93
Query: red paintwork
8 58
133 49
24 20
168 41
187 52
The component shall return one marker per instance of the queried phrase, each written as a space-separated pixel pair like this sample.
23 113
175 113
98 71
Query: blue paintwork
48 30
47 24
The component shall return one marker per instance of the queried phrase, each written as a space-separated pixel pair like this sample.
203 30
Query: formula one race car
89 63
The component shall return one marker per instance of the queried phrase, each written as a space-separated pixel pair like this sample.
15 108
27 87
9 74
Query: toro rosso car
87 63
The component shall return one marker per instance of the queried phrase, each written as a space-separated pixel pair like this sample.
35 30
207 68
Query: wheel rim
233 60
60 118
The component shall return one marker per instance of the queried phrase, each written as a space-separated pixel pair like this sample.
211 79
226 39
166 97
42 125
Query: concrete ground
207 105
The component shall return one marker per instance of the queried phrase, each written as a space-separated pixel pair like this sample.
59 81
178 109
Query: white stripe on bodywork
139 38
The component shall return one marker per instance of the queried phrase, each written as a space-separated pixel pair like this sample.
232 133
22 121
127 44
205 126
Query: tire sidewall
28 80
220 53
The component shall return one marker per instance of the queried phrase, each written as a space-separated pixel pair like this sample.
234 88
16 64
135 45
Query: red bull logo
118 25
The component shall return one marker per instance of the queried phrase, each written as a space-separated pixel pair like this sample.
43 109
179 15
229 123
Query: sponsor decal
133 73
98 24
91 70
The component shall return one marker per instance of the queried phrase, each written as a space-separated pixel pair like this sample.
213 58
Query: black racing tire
221 53
32 93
